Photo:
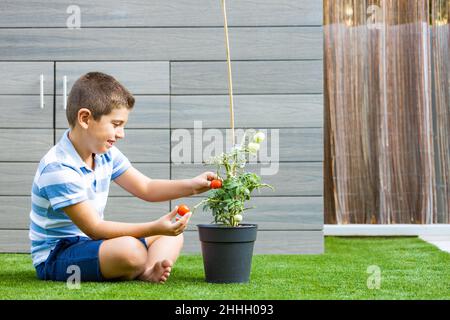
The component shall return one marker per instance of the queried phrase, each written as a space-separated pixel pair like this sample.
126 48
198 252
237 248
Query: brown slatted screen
387 100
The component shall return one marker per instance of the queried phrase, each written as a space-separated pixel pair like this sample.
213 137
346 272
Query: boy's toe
167 263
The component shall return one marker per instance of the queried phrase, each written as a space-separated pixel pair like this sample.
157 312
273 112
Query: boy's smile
107 130
97 136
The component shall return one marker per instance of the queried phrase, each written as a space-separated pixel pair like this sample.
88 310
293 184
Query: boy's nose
120 134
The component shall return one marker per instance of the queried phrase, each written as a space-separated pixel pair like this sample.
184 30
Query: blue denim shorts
73 251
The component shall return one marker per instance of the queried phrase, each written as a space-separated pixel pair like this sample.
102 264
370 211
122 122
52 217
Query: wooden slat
271 242
14 241
258 77
152 170
258 111
137 77
134 210
142 145
17 178
280 144
24 77
23 13
26 112
148 112
15 210
270 213
25 144
160 43
290 179
280 213
267 242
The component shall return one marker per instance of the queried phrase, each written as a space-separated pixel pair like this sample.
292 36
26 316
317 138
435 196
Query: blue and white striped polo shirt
63 179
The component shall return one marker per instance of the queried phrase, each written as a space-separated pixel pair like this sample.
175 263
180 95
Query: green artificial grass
410 269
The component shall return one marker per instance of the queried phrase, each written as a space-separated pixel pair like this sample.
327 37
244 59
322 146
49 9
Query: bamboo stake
230 82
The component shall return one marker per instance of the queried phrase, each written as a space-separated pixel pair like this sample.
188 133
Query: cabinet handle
41 92
65 92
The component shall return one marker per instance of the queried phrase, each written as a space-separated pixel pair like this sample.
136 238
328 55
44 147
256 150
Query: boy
70 190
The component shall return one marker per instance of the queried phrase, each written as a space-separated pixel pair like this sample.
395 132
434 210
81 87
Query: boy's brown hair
98 92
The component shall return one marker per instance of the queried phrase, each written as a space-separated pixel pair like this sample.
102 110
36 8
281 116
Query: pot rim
222 226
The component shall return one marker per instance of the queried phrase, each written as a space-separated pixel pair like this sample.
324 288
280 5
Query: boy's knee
134 254
177 240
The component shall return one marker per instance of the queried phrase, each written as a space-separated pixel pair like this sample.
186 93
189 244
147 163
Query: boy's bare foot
159 273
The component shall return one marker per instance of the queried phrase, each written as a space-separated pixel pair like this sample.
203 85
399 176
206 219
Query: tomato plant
227 203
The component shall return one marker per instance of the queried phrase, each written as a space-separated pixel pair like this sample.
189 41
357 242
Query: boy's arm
85 217
156 190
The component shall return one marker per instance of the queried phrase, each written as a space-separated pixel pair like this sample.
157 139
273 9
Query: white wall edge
386 229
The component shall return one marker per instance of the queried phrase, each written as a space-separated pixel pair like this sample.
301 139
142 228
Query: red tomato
183 209
216 184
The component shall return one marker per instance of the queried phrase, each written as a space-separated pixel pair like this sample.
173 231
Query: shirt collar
70 150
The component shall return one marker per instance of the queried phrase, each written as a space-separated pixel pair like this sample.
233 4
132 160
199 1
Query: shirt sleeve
62 185
120 163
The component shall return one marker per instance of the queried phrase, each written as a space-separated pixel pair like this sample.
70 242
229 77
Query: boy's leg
122 258
150 240
164 247
163 251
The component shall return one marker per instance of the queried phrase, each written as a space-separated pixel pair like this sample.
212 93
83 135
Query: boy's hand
202 183
166 227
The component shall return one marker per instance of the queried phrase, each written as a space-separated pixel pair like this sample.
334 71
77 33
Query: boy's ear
84 116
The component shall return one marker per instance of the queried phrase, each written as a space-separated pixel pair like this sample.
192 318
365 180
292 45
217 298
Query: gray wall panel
278 213
160 43
141 145
289 179
304 144
26 112
257 111
148 112
171 56
24 77
14 241
15 212
137 77
25 144
271 242
258 77
45 13
17 178
151 170
267 242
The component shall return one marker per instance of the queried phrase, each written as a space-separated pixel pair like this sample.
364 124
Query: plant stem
198 204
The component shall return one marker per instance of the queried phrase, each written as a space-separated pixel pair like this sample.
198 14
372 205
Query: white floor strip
442 242
386 229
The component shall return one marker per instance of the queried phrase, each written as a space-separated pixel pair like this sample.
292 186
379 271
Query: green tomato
259 137
237 218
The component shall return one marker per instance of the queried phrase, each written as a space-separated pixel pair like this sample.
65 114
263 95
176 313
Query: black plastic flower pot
227 252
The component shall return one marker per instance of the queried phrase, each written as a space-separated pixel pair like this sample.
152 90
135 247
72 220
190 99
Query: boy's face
107 130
